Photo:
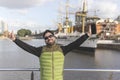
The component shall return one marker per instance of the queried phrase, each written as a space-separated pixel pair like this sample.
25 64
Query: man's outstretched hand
12 36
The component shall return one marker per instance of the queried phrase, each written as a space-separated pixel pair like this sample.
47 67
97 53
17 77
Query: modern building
3 28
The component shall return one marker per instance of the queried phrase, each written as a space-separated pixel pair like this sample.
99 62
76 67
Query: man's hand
88 33
12 36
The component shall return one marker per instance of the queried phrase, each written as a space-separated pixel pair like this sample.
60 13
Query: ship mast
60 25
66 19
83 15
84 12
65 25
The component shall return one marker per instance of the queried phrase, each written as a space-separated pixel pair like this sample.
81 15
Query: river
11 56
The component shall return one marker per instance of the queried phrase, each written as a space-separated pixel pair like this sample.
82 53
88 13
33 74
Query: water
11 56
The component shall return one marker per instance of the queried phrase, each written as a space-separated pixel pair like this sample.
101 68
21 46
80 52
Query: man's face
49 38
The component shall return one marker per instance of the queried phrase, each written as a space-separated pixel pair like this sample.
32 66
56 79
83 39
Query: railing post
32 75
111 76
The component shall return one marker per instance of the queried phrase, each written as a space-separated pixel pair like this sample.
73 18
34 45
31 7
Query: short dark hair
46 31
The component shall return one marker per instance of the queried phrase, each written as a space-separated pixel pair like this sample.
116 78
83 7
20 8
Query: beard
50 43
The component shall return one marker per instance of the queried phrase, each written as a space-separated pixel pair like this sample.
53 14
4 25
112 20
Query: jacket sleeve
74 44
31 49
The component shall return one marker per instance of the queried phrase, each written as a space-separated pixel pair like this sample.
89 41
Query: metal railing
38 69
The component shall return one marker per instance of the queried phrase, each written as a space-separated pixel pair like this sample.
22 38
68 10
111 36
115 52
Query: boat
89 45
83 24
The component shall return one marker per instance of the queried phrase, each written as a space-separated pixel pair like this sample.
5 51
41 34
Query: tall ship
83 24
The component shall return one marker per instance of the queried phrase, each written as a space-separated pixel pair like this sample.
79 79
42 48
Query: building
117 29
3 28
108 28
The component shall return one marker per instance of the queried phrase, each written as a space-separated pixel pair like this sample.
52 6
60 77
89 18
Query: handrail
38 69
19 69
94 70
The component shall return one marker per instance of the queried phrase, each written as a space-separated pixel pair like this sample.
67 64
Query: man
51 55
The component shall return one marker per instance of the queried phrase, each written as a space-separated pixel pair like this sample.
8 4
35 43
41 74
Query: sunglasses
50 36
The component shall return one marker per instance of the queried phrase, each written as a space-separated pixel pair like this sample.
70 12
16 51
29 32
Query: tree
23 32
28 32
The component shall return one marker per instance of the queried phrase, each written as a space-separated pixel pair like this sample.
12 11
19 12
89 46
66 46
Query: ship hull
89 45
91 49
85 50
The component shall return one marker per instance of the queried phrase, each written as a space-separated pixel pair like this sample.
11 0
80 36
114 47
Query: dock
108 44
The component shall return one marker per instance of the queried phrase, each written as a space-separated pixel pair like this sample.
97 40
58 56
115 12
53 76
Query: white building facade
3 27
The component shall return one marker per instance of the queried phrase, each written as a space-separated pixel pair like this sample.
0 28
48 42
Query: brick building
108 28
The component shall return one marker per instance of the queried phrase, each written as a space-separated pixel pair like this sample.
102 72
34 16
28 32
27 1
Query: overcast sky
43 14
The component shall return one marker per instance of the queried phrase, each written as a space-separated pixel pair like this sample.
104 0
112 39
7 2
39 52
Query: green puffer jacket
52 63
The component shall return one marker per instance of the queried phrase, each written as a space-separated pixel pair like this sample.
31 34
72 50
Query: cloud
16 25
107 8
22 11
21 4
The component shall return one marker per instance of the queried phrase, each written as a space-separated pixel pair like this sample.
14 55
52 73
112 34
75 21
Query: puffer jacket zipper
52 65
